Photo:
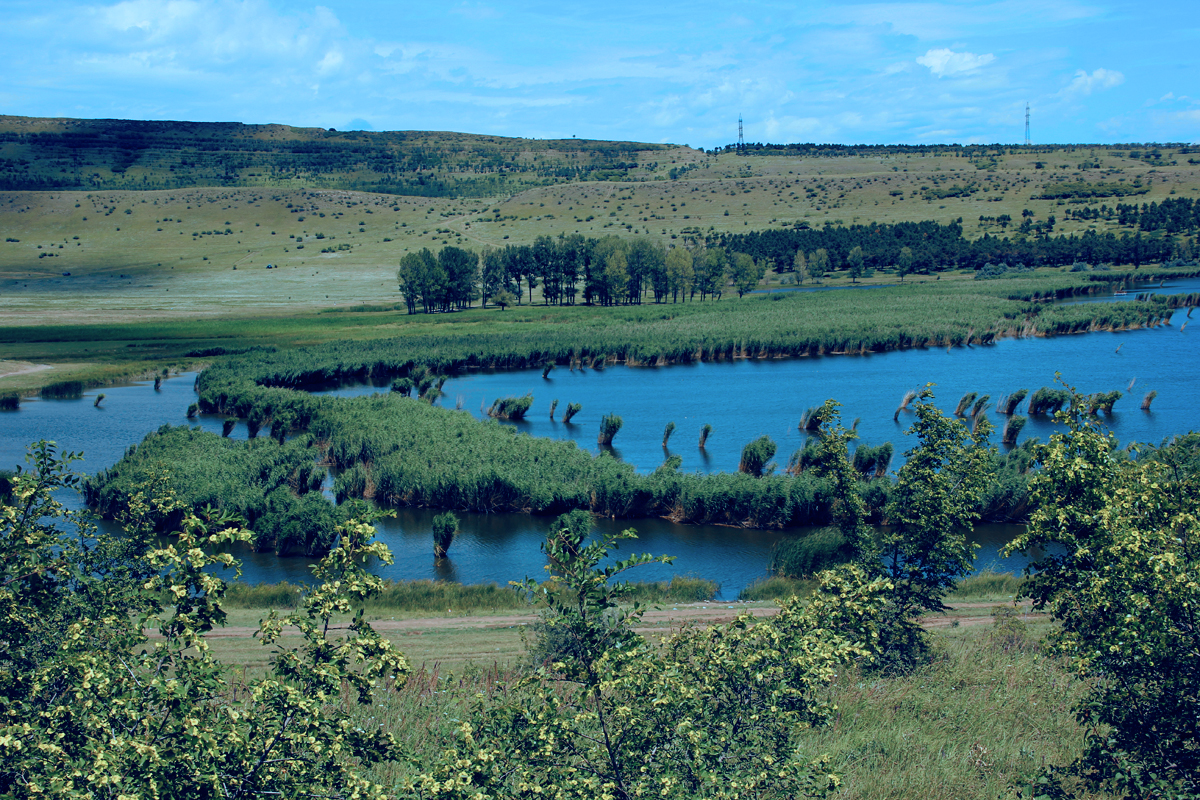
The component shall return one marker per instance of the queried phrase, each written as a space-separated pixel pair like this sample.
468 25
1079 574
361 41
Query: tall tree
711 272
819 263
679 272
904 262
461 268
800 266
492 275
746 272
855 260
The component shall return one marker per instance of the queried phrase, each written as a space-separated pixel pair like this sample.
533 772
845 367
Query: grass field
202 252
983 716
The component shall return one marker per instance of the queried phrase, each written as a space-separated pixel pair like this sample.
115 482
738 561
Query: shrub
756 457
609 426
445 528
805 556
63 390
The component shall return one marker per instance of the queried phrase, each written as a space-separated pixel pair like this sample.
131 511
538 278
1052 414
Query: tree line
571 269
932 247
609 271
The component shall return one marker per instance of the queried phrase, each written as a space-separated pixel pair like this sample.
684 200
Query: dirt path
653 620
9 368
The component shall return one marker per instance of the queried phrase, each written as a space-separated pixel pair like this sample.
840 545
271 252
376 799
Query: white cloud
1084 84
943 61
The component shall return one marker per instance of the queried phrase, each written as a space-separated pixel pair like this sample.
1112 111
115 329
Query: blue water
748 398
741 400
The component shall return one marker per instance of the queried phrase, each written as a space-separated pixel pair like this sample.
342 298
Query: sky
682 72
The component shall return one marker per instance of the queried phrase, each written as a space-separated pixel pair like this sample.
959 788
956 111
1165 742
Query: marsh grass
705 431
776 587
979 720
1010 403
1103 401
1048 401
445 528
810 421
756 457
610 424
1148 399
572 410
964 403
987 584
909 396
63 390
1012 429
511 408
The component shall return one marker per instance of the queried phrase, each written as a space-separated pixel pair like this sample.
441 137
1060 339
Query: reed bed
964 403
610 424
1012 429
909 396
445 528
756 457
1011 402
511 408
1048 401
62 390
411 454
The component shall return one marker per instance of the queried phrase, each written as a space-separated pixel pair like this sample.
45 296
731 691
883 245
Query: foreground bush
1123 544
715 713
90 706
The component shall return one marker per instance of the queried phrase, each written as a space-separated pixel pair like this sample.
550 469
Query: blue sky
871 72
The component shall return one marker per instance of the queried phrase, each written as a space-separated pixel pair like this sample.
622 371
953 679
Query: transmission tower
741 138
1027 139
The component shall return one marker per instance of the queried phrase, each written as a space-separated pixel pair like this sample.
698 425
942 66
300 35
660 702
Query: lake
741 399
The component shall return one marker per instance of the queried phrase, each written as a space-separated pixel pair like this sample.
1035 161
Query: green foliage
271 486
1048 401
775 587
986 584
831 461
1012 429
805 556
756 457
92 707
610 424
714 713
667 432
511 407
925 549
63 390
1119 574
445 528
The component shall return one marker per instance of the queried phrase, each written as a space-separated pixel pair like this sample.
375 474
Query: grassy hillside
184 218
41 154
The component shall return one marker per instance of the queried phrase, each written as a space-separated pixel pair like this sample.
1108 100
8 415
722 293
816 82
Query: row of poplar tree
572 269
